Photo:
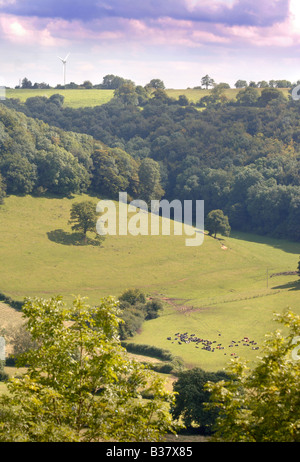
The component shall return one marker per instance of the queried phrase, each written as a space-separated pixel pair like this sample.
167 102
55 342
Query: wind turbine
64 61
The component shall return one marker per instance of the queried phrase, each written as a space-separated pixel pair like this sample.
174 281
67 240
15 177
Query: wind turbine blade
67 56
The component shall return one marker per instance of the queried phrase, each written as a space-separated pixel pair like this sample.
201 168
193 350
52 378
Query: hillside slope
218 287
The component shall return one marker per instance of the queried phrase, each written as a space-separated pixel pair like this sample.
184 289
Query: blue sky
178 41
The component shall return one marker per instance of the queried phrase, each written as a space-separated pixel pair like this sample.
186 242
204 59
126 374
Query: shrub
3 374
132 296
148 350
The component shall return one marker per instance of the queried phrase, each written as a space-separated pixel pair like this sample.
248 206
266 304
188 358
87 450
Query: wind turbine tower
64 61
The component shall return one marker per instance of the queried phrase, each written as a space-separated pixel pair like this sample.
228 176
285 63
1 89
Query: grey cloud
243 12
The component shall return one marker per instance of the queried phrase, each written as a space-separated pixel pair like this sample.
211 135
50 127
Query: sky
177 41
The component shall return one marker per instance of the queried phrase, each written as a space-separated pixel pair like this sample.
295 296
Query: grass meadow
72 98
219 291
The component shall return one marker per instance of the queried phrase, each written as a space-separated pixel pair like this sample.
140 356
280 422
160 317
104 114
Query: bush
133 320
148 350
135 310
132 296
173 367
163 368
152 308
192 396
3 374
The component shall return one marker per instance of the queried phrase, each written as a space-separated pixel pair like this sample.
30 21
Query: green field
89 98
208 290
194 95
72 98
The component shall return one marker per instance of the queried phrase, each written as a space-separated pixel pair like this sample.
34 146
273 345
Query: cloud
150 37
151 25
169 23
240 12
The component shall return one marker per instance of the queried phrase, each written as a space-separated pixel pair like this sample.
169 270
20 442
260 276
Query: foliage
3 374
111 81
149 175
80 385
247 97
132 296
207 81
126 94
156 83
241 83
148 350
83 217
217 222
169 364
191 396
20 342
135 310
175 366
153 307
114 171
2 189
33 155
262 404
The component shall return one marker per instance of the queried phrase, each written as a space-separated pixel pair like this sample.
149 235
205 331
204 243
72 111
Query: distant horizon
55 87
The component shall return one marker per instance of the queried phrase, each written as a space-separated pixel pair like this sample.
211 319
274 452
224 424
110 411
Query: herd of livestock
212 345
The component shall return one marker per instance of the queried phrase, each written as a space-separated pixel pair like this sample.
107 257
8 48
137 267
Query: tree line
112 82
109 82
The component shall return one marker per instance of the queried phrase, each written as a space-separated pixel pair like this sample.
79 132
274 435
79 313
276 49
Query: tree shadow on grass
65 238
294 285
277 243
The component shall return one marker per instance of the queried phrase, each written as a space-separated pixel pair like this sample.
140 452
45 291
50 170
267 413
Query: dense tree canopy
80 384
192 396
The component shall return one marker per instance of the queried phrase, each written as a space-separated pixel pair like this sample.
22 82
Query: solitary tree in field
207 81
217 222
80 384
299 266
83 217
